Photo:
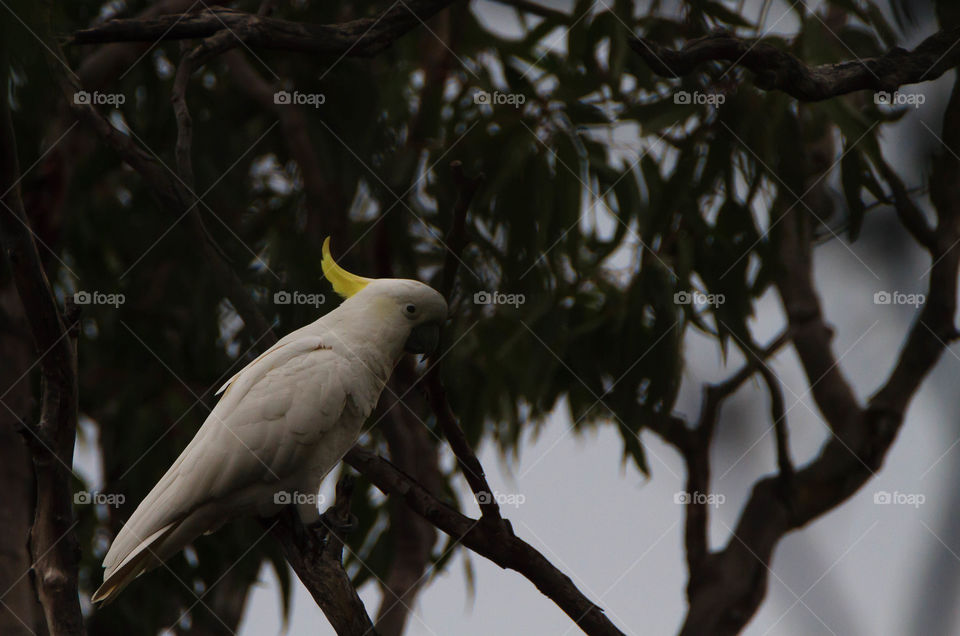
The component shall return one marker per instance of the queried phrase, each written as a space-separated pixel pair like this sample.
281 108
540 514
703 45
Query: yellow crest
344 283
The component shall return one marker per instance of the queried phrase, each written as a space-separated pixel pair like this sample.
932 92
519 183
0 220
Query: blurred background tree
615 206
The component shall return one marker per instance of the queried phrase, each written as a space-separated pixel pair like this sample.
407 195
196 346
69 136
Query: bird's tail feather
148 554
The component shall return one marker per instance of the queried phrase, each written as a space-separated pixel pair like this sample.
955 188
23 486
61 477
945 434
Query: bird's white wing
261 432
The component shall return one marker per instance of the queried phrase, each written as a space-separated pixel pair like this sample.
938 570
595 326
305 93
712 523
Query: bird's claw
334 523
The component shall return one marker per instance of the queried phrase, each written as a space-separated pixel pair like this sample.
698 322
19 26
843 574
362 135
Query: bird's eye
410 309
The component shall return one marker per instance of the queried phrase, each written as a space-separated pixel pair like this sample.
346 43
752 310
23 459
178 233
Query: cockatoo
284 421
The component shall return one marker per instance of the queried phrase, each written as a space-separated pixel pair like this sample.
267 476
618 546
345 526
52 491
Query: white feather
282 423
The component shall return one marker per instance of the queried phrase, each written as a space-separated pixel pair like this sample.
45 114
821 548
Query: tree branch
779 418
492 541
103 65
776 69
362 37
490 536
733 581
315 555
324 200
811 335
694 447
469 464
193 59
908 212
53 543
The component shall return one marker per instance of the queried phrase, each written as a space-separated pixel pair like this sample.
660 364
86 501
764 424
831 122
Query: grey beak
423 338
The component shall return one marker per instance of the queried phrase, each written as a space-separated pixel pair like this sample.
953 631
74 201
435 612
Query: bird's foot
331 522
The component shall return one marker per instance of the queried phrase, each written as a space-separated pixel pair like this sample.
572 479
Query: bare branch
776 69
694 446
811 335
469 464
190 61
362 37
53 542
732 582
104 64
315 555
779 418
909 213
193 59
491 536
493 541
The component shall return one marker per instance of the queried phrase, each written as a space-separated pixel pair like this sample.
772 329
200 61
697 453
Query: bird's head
415 309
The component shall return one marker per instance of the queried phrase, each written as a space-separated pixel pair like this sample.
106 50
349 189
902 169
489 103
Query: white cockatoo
284 421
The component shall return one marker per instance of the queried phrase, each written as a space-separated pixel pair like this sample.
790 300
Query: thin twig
907 210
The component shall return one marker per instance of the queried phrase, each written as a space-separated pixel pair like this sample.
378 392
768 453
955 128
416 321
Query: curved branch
495 542
694 446
733 581
776 69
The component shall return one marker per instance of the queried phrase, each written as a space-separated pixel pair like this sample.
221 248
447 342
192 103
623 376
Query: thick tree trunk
19 612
